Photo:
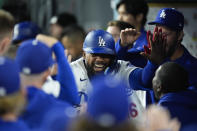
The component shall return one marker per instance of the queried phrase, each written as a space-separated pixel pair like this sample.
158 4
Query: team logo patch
101 41
163 14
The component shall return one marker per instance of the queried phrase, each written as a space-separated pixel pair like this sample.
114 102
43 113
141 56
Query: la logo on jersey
163 14
101 41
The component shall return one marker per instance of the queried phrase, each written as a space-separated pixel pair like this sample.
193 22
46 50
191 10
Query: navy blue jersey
190 65
13 126
181 105
39 103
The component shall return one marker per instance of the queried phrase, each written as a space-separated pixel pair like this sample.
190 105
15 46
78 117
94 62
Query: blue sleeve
148 73
120 51
68 90
141 79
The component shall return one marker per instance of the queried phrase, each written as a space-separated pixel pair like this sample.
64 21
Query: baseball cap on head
24 31
108 101
34 57
99 42
9 77
169 17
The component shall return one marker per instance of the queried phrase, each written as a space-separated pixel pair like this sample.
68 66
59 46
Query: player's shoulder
78 67
124 63
78 62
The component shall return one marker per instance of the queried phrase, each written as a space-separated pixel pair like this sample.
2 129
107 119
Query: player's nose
99 58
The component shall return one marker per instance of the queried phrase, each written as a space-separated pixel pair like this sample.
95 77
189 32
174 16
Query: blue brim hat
108 102
99 42
9 77
58 118
34 57
25 31
169 17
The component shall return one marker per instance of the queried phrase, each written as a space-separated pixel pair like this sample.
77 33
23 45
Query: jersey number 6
132 110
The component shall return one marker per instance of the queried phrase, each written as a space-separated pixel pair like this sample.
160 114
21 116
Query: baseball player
12 97
170 85
54 85
22 31
170 22
73 47
99 58
35 59
135 13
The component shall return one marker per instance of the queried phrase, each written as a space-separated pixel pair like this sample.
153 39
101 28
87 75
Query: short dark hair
121 24
173 77
73 31
135 7
64 19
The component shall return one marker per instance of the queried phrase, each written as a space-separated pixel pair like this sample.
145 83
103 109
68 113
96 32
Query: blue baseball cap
108 101
99 42
9 77
34 57
25 31
59 118
169 17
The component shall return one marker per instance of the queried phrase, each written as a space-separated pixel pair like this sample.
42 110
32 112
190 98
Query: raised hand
48 40
157 45
128 37
147 49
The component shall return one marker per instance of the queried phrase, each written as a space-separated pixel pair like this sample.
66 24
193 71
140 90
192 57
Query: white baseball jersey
51 87
137 98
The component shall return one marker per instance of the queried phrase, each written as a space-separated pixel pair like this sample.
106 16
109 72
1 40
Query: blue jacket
133 54
190 64
39 103
13 126
182 105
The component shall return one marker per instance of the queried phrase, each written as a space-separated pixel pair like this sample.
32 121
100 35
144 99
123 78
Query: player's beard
91 72
171 49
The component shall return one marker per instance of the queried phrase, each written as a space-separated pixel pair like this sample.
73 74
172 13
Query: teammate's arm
68 90
140 78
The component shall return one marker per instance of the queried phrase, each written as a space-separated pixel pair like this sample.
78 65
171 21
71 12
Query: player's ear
180 35
84 55
45 74
4 45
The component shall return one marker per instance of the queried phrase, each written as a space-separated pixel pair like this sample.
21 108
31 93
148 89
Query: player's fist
48 40
128 37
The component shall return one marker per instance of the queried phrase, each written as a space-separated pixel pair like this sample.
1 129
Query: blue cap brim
155 22
99 51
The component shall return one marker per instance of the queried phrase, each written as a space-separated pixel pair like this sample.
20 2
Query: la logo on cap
163 14
101 41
